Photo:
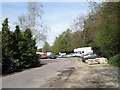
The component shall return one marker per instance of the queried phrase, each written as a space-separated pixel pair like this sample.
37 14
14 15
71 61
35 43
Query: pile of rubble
97 61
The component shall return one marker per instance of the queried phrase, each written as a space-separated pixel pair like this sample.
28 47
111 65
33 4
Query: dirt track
82 75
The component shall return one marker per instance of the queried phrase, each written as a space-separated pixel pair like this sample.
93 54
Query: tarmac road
37 77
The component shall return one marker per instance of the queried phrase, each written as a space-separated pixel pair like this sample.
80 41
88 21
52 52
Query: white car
61 56
69 55
77 54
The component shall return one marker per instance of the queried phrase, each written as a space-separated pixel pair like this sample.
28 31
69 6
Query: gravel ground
82 75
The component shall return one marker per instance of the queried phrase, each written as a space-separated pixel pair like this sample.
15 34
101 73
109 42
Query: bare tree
33 20
22 21
34 14
78 23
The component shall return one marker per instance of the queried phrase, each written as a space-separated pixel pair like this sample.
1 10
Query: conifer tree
9 64
31 49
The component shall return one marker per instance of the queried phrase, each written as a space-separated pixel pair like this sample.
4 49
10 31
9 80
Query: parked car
52 56
89 56
43 56
58 55
69 55
61 56
77 54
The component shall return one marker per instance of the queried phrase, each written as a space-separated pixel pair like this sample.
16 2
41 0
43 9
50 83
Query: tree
63 42
18 49
56 45
108 37
101 29
29 54
9 64
78 23
33 20
46 47
0 48
77 39
18 37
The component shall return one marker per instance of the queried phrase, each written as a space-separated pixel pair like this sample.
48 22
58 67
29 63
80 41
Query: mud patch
62 77
95 77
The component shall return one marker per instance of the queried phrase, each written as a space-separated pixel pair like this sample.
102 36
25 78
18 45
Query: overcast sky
57 15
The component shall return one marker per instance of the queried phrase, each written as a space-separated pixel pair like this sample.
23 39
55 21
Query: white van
48 53
81 51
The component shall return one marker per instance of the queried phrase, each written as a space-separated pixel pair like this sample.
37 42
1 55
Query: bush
115 61
18 49
10 65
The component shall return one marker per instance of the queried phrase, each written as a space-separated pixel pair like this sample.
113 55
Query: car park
52 56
